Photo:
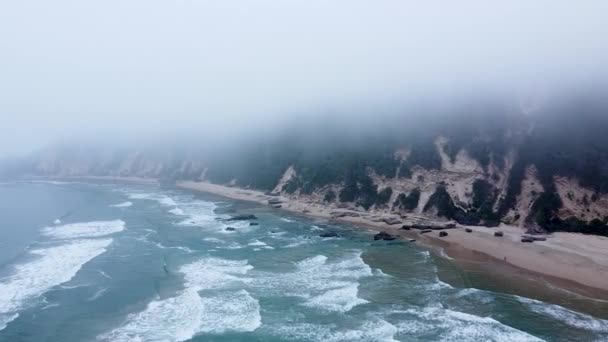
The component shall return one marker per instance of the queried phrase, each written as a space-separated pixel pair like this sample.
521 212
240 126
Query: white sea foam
48 307
85 229
71 287
53 266
177 211
341 299
296 244
214 240
256 242
5 319
181 248
54 182
231 311
104 274
215 273
187 314
286 219
173 319
459 326
324 285
376 330
97 294
444 255
198 213
122 205
160 198
569 317
468 291
57 221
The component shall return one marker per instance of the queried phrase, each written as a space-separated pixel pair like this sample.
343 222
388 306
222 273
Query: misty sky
118 69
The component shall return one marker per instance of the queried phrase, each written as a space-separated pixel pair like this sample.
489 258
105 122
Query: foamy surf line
568 317
452 325
84 229
188 314
160 198
122 205
54 266
323 285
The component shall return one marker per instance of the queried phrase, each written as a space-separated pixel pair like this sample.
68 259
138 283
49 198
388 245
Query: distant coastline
575 262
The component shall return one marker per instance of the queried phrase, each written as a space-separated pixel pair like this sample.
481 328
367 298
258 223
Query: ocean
121 262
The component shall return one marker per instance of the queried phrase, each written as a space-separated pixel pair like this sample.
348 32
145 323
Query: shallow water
86 262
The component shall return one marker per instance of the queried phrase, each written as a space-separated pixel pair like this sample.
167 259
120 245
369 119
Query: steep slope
542 170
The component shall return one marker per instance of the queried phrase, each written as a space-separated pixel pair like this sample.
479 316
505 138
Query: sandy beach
575 262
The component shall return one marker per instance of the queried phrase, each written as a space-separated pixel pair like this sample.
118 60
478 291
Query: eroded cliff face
541 172
470 188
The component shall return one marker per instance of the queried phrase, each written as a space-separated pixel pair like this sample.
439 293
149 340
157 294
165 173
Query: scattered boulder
443 234
384 236
412 240
328 235
306 211
406 227
535 238
424 231
391 220
468 230
344 214
499 234
242 217
230 229
526 239
253 224
450 225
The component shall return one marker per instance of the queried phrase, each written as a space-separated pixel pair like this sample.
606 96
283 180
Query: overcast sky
119 68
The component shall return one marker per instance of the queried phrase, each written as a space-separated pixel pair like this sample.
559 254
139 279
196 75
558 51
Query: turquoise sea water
107 262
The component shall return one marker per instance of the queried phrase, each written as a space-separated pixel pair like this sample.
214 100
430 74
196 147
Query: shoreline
569 262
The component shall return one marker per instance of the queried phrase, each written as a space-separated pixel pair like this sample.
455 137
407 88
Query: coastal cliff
543 170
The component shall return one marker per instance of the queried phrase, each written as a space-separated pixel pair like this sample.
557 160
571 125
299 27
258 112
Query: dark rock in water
384 236
442 234
412 240
230 229
274 201
499 234
526 239
254 224
425 231
391 220
277 206
406 227
242 217
329 234
306 211
468 230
